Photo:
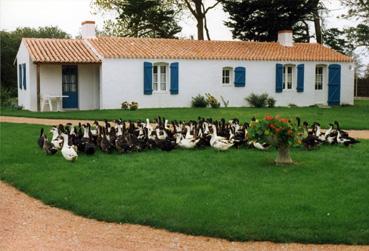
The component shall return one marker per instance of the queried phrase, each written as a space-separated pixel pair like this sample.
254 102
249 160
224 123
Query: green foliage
257 100
140 18
271 102
10 41
129 106
199 101
275 131
337 40
133 106
359 35
7 97
125 105
238 194
358 10
260 20
212 101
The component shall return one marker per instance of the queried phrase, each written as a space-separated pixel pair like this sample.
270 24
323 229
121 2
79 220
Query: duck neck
65 137
85 132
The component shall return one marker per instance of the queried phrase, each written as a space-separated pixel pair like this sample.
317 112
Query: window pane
163 86
155 69
318 78
226 76
163 78
155 86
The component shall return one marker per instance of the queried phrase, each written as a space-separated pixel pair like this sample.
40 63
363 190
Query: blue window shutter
174 78
239 77
147 78
24 77
20 75
279 78
300 78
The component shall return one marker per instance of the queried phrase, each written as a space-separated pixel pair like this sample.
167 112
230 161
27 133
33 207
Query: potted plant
281 133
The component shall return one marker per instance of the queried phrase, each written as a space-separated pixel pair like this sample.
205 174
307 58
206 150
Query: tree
10 42
337 40
140 18
358 10
199 11
260 20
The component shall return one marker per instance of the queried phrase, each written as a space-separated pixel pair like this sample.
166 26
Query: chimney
285 38
88 29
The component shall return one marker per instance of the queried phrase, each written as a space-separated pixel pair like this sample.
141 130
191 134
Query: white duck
68 152
219 143
56 140
259 146
185 142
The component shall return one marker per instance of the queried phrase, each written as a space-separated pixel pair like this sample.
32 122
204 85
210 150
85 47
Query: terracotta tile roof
79 51
119 47
44 50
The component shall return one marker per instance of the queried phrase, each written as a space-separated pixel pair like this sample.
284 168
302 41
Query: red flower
268 118
284 120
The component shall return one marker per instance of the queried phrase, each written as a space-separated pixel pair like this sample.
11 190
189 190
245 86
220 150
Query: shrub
271 102
125 105
257 100
292 105
7 98
133 106
199 101
212 101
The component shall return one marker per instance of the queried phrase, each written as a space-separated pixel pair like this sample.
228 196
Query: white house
102 72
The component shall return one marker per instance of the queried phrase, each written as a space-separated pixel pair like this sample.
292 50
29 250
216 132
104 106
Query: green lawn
238 195
350 117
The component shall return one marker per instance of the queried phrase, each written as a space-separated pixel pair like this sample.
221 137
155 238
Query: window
319 78
288 77
227 76
160 77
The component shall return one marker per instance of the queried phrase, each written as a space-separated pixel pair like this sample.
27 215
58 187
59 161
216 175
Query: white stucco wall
51 84
122 80
24 96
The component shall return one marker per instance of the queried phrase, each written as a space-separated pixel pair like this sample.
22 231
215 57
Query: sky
68 15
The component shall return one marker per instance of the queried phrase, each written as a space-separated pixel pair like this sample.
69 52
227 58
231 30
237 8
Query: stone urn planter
283 155
281 133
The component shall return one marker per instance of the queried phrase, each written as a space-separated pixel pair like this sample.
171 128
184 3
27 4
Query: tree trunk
283 156
200 28
200 19
318 28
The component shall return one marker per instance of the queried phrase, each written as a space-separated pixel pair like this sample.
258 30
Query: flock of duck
128 136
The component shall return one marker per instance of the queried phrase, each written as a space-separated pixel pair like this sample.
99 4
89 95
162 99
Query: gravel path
28 224
359 134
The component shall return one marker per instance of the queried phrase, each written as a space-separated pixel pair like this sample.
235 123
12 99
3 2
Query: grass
237 195
350 117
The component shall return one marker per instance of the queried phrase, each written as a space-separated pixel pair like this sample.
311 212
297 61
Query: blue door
70 86
334 84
